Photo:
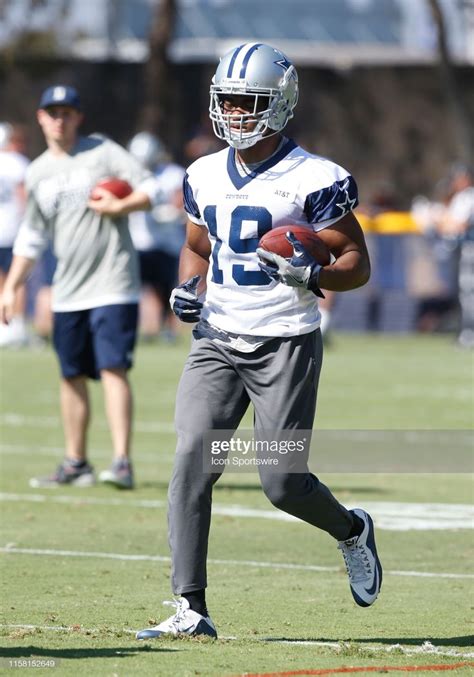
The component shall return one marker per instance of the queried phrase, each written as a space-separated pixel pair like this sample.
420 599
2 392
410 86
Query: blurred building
373 97
336 33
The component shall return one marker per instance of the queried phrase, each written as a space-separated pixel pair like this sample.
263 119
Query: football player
257 338
13 166
158 235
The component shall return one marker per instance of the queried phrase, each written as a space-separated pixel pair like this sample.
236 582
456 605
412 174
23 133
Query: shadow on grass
463 641
109 652
466 640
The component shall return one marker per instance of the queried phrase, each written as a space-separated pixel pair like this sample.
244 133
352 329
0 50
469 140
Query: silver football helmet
260 71
148 149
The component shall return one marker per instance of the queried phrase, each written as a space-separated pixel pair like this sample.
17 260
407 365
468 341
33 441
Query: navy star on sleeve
332 202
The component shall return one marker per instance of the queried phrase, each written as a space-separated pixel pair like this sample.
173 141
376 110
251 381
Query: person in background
13 166
458 222
158 235
438 271
326 306
390 225
447 221
96 284
42 278
202 141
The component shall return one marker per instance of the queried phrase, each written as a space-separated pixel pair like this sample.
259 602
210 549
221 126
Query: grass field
82 568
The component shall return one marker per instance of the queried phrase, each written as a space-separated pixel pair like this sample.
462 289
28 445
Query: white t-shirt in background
12 176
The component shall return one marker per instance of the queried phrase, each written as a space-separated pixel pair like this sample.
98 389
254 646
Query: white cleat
362 563
184 622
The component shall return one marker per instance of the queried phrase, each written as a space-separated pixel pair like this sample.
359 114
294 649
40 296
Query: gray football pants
215 390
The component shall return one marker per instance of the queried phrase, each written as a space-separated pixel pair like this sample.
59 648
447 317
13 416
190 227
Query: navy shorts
159 270
6 255
88 341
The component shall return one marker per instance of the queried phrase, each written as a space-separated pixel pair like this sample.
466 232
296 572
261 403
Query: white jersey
461 207
291 187
12 176
162 228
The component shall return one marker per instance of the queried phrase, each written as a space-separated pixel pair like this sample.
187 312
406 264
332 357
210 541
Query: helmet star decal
284 63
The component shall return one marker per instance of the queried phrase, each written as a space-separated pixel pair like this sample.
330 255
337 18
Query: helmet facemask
232 126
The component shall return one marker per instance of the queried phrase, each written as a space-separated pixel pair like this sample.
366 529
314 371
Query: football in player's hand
117 187
275 241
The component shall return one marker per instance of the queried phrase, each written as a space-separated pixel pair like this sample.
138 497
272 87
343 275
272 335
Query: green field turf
86 567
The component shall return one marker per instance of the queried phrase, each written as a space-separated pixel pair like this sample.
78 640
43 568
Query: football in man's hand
117 187
275 241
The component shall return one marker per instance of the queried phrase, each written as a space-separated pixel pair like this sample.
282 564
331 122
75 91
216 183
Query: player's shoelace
356 560
175 620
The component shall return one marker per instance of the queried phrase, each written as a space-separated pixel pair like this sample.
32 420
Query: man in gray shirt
96 284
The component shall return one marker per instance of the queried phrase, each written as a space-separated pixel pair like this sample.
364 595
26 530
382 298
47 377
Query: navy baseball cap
60 95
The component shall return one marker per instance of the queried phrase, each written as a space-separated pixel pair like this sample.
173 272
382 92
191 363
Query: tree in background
159 94
463 130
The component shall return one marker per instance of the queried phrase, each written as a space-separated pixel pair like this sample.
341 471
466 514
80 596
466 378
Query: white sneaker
466 338
184 622
15 334
362 562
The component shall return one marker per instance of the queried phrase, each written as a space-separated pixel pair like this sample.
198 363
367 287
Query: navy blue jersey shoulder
189 202
332 202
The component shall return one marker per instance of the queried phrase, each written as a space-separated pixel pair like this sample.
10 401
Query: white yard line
12 420
425 648
391 516
13 550
463 437
155 457
81 500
